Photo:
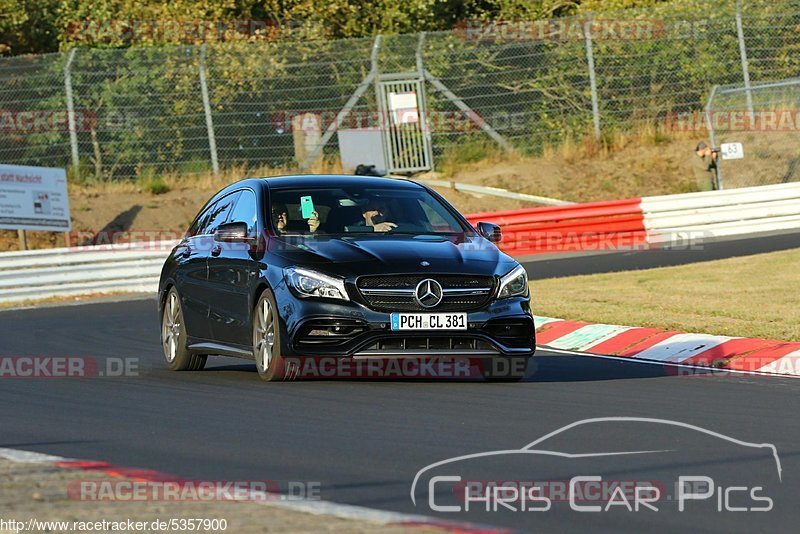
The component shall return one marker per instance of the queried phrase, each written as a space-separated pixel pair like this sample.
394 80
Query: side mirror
235 232
490 231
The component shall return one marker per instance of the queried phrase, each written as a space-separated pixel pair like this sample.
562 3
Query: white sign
732 151
404 107
34 198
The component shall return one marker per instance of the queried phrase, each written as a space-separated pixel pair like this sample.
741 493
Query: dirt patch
114 211
631 171
41 492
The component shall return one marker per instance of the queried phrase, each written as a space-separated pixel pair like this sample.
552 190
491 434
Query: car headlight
308 283
514 284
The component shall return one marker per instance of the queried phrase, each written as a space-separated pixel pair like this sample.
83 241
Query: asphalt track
364 441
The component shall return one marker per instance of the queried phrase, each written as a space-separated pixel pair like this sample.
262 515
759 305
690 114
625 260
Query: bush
155 186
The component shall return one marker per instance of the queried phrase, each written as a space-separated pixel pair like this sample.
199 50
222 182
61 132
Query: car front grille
397 293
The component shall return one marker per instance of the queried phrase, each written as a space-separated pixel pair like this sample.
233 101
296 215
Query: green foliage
155 185
28 26
470 149
35 26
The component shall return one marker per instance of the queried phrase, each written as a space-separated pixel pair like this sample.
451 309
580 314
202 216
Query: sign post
23 240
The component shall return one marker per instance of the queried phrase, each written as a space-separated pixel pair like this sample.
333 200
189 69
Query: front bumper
318 327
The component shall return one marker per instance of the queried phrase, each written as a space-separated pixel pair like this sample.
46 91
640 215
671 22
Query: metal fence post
383 115
73 133
212 141
592 82
743 56
712 134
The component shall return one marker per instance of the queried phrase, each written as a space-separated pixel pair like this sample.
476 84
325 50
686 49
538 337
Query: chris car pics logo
656 478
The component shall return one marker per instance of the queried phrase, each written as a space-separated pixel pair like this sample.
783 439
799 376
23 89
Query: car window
245 211
200 222
219 213
344 210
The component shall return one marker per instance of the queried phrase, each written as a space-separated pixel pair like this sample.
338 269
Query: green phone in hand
306 207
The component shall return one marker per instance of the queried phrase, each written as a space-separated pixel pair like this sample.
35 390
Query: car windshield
359 210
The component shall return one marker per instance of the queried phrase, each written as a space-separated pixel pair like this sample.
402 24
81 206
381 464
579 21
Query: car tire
267 338
173 337
505 369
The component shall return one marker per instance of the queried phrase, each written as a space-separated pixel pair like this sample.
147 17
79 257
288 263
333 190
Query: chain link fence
765 119
111 114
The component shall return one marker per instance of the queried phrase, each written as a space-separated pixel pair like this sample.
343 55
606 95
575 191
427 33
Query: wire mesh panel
258 91
529 91
34 126
149 112
406 141
769 132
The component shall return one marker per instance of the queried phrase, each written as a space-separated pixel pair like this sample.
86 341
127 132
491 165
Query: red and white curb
749 355
341 511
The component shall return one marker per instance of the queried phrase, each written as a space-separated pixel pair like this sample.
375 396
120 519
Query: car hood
393 253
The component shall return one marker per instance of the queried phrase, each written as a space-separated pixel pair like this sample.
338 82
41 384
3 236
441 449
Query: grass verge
752 296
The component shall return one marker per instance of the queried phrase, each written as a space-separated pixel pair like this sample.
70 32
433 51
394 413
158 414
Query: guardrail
622 224
65 272
641 222
722 213
577 227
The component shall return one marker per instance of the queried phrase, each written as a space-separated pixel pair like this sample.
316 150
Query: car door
191 276
231 271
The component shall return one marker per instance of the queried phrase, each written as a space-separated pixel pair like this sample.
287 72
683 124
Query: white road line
28 457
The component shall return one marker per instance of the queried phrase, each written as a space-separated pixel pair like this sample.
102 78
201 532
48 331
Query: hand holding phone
306 207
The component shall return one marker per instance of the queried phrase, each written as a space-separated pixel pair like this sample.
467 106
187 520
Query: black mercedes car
299 268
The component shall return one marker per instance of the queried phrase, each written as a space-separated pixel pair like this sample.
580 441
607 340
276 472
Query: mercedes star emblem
428 293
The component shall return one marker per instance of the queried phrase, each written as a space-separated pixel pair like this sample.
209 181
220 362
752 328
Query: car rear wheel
267 339
173 337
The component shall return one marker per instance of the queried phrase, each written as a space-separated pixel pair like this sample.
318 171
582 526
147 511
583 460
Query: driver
376 214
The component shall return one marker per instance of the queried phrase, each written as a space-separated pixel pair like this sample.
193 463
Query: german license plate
429 321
